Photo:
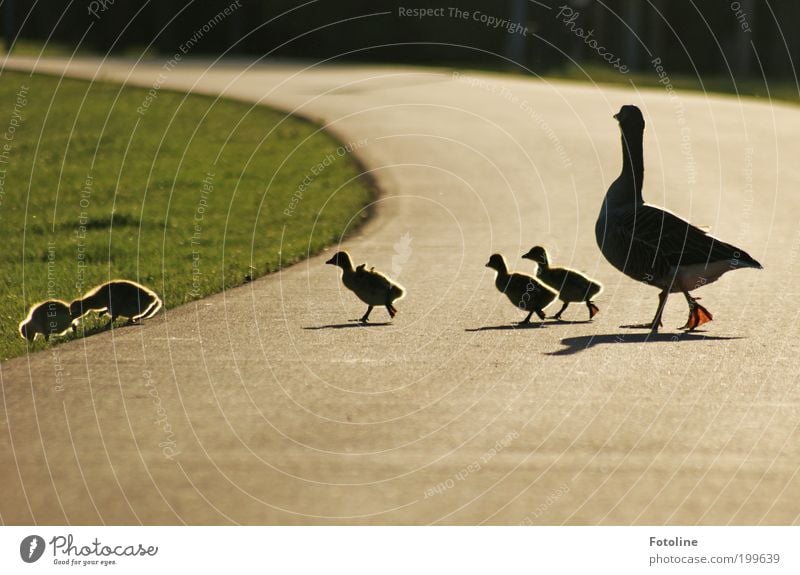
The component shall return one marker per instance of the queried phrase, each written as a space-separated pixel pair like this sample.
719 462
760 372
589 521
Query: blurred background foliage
742 40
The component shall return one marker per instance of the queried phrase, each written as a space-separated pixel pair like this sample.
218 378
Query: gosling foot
365 317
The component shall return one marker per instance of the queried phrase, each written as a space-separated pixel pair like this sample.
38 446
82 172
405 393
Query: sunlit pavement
265 405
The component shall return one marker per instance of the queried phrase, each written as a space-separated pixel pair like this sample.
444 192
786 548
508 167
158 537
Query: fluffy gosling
524 291
571 285
371 287
48 318
118 298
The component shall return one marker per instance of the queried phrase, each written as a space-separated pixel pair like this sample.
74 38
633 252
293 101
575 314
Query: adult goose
653 245
571 285
371 287
524 291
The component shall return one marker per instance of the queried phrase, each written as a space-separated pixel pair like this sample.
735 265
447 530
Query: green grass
147 215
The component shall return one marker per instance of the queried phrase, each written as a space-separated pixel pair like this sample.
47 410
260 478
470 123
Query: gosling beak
488 264
332 261
527 256
616 116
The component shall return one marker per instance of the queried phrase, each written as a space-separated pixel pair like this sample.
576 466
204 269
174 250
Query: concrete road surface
266 405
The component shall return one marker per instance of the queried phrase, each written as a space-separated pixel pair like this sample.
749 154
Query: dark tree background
695 37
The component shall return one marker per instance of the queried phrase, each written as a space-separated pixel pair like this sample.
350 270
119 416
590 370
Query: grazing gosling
51 317
524 291
571 285
118 298
371 287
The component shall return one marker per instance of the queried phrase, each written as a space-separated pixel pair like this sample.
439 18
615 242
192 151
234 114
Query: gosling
571 285
371 287
51 317
524 291
118 298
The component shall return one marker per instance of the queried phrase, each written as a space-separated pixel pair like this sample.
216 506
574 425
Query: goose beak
616 117
488 264
526 256
332 261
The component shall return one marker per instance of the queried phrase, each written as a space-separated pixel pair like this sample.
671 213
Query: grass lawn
183 195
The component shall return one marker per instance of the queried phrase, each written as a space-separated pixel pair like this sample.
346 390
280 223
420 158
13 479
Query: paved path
284 412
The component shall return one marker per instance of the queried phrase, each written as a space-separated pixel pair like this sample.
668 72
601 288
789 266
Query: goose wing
658 241
372 281
520 283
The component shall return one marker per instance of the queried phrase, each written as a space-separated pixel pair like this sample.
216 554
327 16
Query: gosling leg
563 308
656 323
527 318
366 315
391 309
698 315
593 309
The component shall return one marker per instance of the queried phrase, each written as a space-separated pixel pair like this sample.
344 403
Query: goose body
371 287
51 317
571 285
652 245
524 291
118 298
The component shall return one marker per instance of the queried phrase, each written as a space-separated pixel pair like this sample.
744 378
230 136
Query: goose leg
656 323
527 318
698 315
366 315
563 308
593 309
391 309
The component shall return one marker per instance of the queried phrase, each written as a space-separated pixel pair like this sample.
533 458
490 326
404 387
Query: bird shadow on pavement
353 323
584 342
504 327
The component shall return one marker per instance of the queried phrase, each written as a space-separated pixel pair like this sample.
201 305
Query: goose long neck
633 159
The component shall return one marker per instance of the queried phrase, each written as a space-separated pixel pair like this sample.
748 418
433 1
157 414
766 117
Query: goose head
537 254
76 309
630 118
27 331
497 263
341 259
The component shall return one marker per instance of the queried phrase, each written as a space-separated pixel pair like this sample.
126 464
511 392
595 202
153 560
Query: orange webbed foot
698 315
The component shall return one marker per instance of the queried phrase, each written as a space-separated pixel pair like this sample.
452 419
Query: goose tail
153 308
396 292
